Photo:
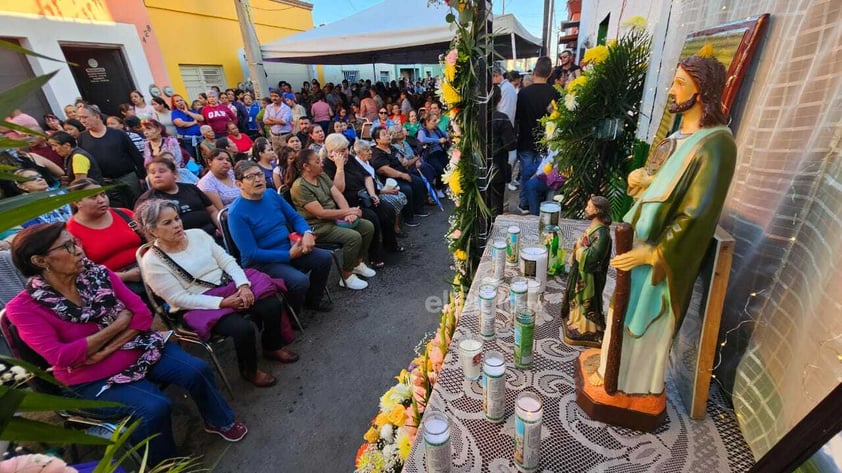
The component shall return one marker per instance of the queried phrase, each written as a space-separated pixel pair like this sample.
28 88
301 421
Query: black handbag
365 198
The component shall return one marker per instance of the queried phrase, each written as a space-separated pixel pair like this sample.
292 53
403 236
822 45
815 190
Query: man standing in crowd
567 70
118 158
260 222
279 118
533 102
507 105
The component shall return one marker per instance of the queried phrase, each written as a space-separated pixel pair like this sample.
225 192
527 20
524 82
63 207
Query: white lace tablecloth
571 442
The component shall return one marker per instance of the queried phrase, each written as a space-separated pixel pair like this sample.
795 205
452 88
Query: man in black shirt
533 102
386 163
117 157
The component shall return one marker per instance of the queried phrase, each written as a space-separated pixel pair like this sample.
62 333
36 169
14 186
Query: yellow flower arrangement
461 255
404 442
575 84
596 54
449 72
397 416
449 94
454 182
381 419
371 436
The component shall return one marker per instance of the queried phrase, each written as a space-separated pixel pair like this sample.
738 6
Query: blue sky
528 12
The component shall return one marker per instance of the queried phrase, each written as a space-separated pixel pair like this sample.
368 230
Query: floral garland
392 432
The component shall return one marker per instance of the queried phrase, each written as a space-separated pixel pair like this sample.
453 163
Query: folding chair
231 248
94 423
174 322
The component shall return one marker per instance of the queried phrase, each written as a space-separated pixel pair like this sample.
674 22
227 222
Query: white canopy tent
393 32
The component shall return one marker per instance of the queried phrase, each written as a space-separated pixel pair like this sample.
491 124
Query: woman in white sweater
191 272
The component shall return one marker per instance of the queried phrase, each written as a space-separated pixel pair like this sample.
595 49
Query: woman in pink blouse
96 334
321 111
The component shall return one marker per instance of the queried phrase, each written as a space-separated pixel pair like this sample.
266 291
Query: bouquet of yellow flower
592 126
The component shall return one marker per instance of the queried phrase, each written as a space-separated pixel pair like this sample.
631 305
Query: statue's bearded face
683 93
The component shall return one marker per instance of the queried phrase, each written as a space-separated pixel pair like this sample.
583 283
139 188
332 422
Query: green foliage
22 208
594 160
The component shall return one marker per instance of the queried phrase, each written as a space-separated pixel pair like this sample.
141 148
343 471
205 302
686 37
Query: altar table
571 442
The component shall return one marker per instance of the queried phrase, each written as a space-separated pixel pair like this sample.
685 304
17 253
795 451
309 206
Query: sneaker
513 185
233 433
412 223
439 194
521 210
422 213
353 282
364 271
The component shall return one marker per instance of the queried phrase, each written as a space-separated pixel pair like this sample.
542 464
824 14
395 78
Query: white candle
534 264
528 413
487 310
533 293
494 387
470 354
437 442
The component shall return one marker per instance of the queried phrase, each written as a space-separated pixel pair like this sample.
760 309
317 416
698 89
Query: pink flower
434 376
455 156
437 359
451 57
456 234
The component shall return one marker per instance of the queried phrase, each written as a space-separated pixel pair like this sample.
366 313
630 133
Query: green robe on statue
676 215
582 304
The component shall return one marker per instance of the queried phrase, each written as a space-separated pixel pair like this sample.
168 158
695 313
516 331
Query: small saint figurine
673 220
581 308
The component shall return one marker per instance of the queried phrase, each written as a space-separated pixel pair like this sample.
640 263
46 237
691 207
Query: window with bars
199 78
351 76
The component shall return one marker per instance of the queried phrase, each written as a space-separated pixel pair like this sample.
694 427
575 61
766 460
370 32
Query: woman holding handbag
191 272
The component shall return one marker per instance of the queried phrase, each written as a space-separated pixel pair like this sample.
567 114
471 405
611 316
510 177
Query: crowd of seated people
293 173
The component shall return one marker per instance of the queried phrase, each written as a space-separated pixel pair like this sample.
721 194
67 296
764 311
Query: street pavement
313 420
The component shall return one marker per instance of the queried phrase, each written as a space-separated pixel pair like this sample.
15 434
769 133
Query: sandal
377 264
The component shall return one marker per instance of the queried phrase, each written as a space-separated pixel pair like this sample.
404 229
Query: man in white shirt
507 105
278 116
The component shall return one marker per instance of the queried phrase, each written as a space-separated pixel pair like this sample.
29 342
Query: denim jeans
536 192
529 161
145 401
302 289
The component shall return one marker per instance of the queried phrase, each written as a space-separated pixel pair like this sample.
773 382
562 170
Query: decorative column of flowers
592 126
459 91
392 431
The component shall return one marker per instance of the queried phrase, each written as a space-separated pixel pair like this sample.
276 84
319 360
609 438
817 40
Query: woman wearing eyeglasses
96 334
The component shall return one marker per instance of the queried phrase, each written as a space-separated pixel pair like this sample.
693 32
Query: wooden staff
623 239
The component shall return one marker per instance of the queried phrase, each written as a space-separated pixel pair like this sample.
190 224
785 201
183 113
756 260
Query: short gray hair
147 213
361 145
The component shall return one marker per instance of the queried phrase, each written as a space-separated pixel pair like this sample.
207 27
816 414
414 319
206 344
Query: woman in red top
106 235
240 140
217 115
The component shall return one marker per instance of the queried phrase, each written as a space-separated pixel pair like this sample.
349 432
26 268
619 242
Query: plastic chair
174 322
94 423
231 248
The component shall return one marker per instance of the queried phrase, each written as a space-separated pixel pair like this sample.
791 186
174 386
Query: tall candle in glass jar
437 442
494 387
512 245
528 413
487 310
498 259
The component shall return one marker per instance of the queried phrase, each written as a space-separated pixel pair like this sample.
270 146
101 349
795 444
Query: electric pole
547 30
254 58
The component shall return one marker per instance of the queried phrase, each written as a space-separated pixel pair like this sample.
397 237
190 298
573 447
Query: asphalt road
313 420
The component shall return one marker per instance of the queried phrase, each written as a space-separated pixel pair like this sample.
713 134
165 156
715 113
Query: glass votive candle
518 295
470 354
528 413
533 293
487 310
437 442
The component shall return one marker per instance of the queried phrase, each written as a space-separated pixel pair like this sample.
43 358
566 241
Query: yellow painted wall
207 32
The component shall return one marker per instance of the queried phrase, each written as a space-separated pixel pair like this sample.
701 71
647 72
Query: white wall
43 35
334 73
594 11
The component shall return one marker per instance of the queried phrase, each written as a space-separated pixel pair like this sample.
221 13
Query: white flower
6 377
2 367
19 373
386 433
570 102
550 130
390 454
